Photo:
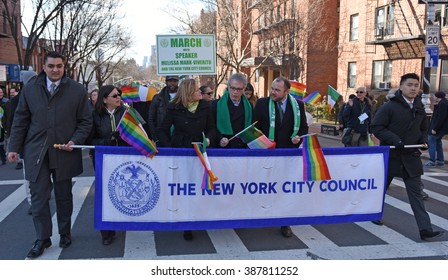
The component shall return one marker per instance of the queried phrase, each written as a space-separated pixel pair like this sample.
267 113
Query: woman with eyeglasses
107 114
207 93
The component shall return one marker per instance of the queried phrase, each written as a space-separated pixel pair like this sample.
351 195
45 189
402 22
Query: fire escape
402 36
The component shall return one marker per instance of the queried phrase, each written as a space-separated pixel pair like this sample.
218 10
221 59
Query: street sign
433 1
432 57
432 35
191 54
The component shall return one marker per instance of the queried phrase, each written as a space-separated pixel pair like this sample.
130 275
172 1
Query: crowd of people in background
181 113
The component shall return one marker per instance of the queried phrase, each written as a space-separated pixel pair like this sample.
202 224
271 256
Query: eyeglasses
208 93
236 89
115 95
360 91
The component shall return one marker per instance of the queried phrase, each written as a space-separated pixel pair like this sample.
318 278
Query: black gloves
115 136
424 147
399 145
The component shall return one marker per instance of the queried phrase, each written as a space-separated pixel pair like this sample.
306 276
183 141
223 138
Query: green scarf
223 116
296 114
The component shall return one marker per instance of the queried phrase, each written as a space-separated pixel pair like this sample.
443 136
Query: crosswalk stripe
227 242
11 202
141 244
80 190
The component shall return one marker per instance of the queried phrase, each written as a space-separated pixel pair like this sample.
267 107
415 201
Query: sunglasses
208 93
115 95
360 91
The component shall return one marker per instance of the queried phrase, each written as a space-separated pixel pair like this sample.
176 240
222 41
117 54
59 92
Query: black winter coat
157 112
283 130
439 120
188 127
102 133
395 121
352 113
41 121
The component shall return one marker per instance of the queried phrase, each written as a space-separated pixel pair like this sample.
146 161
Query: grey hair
237 77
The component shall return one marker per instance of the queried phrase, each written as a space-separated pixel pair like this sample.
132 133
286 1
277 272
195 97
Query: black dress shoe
286 231
428 234
38 248
424 195
65 241
378 222
107 241
188 235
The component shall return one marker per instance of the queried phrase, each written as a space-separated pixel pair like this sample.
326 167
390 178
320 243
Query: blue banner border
220 224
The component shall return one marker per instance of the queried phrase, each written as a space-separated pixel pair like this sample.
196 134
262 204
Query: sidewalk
315 128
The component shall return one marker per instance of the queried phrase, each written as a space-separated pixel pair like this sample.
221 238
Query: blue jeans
435 148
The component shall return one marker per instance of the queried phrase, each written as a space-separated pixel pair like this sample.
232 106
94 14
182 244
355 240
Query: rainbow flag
131 131
297 90
137 93
314 165
209 177
255 139
313 97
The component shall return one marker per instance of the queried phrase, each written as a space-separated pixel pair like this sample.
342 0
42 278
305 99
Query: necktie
280 110
52 88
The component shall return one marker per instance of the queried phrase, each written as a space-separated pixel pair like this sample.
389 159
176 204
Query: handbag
347 136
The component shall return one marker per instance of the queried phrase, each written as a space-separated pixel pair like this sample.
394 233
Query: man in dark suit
282 119
232 112
52 109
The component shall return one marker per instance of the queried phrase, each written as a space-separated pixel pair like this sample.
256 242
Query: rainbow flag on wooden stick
132 132
297 89
313 98
137 93
209 177
254 138
314 165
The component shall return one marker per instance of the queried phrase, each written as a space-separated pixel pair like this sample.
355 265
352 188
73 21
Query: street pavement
397 239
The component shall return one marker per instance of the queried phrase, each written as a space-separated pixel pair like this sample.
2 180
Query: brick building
9 68
293 38
380 40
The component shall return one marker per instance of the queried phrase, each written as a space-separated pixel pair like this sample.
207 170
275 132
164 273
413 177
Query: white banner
192 54
255 188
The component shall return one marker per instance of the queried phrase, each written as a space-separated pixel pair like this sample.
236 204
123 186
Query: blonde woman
187 117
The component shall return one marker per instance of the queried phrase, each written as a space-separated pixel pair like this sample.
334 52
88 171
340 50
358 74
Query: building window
354 24
443 76
384 17
382 74
351 79
279 13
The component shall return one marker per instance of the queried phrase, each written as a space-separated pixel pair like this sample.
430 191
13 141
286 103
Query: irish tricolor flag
333 97
137 93
255 139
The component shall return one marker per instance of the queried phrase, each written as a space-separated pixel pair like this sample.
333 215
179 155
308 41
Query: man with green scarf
232 112
282 119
